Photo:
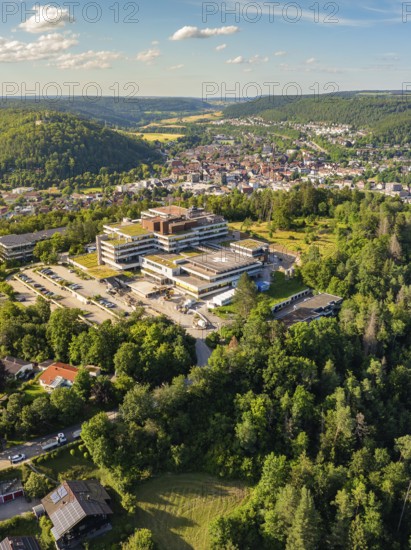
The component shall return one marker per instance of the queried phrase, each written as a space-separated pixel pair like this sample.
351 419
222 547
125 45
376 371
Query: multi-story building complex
167 229
19 248
201 275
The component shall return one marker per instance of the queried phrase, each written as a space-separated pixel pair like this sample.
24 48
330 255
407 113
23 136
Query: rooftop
67 372
19 543
29 238
167 260
219 262
13 364
309 309
169 211
130 229
250 244
73 501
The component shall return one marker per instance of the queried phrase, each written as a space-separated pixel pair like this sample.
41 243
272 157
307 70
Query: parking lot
39 284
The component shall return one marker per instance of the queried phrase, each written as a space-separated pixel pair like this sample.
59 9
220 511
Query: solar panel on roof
55 497
62 491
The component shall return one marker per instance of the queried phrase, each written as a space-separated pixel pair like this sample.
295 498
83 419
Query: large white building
165 229
202 275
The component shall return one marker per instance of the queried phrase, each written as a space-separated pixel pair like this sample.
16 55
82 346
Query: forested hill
123 112
359 110
43 148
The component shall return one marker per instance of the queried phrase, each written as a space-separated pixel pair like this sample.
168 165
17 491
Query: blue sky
192 48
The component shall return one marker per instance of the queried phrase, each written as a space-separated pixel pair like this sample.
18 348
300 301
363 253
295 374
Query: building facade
165 229
20 248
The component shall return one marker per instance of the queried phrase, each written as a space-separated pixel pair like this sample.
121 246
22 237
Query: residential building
15 367
168 229
19 543
58 375
19 248
79 510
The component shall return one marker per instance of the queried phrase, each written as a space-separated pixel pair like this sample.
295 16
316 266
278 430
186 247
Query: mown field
206 117
178 509
298 241
162 138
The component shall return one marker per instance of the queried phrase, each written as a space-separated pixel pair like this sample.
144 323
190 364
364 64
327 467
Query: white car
62 438
17 458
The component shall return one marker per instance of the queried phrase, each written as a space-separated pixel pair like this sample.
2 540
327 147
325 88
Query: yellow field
292 240
194 118
163 138
178 509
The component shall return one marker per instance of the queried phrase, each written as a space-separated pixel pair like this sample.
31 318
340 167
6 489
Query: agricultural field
298 241
178 509
206 117
163 138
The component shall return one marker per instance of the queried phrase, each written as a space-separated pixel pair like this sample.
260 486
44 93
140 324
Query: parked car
15 459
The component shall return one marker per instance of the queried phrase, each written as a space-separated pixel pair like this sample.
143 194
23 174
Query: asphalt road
33 448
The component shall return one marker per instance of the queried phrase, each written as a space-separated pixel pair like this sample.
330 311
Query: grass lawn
65 465
178 509
24 525
32 391
293 241
281 289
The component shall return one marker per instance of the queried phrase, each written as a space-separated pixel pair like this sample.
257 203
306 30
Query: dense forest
124 112
315 417
43 148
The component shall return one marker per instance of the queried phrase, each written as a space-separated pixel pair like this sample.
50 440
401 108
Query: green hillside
121 112
360 110
43 148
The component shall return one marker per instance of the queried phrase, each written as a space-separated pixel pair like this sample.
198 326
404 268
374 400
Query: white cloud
86 60
155 43
45 47
310 61
221 47
148 56
236 60
46 18
194 32
176 67
280 53
256 59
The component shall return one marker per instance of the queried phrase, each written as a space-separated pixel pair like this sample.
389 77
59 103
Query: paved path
203 352
33 448
16 508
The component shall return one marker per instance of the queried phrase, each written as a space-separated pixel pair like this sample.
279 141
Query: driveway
16 507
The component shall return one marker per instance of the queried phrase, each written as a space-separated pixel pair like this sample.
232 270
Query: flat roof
130 229
219 261
170 210
307 309
167 260
250 244
29 238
